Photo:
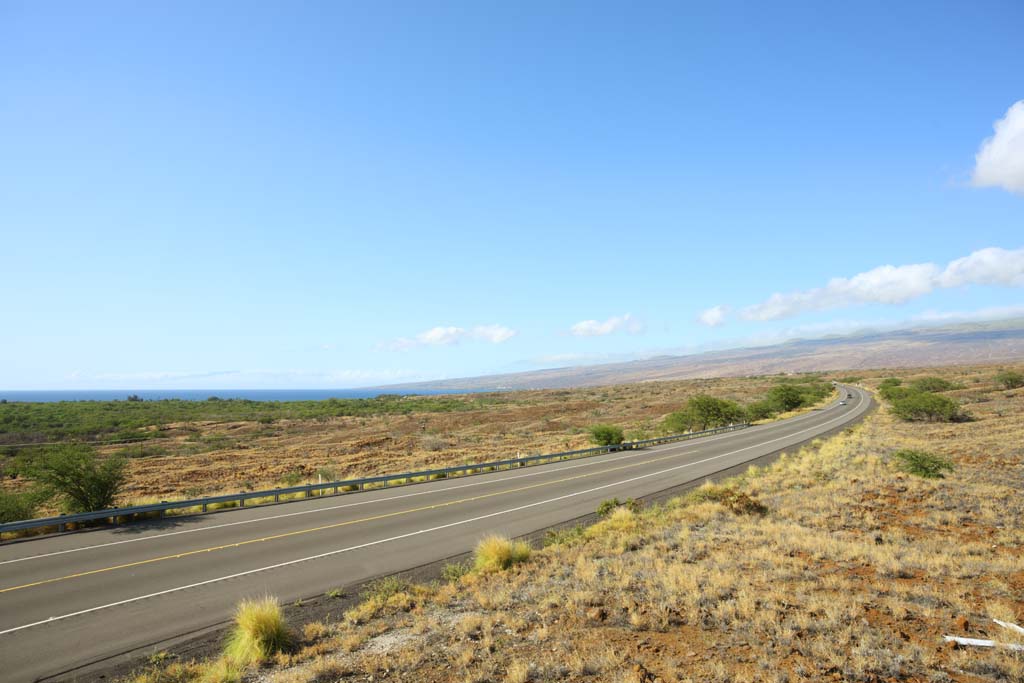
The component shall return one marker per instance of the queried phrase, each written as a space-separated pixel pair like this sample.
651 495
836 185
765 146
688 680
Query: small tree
1010 379
606 435
76 475
704 412
785 397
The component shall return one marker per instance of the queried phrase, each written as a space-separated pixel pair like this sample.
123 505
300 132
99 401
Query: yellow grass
259 632
495 553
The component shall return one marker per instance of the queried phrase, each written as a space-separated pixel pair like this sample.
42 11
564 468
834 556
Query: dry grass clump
221 671
736 501
496 553
259 632
175 672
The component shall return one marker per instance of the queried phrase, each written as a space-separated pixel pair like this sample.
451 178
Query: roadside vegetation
259 632
606 435
846 561
183 449
72 478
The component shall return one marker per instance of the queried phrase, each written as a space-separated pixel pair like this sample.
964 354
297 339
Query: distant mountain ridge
989 342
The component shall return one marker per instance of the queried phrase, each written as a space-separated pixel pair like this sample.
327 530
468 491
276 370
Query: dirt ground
236 456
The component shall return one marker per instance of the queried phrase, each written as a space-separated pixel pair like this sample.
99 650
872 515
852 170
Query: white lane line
407 535
590 463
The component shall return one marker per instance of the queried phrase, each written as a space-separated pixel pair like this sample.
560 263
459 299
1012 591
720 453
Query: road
76 599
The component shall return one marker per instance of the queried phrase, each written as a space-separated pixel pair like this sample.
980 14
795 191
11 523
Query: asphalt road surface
72 600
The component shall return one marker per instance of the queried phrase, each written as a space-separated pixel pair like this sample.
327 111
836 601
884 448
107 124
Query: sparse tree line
31 423
703 412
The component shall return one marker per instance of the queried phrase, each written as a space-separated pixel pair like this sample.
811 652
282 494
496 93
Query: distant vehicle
842 403
849 395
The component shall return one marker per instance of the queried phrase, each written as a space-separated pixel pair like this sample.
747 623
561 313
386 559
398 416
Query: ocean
199 394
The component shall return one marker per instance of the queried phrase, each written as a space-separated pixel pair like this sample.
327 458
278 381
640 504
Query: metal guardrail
347 485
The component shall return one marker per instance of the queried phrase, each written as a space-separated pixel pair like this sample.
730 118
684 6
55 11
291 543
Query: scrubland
832 563
280 446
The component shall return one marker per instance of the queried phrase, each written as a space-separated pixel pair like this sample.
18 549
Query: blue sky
220 195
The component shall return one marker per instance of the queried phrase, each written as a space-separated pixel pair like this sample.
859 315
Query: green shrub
15 507
1010 379
259 632
887 385
932 384
926 407
606 435
77 476
922 464
495 553
760 410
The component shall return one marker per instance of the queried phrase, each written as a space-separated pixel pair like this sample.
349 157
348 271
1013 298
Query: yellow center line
329 526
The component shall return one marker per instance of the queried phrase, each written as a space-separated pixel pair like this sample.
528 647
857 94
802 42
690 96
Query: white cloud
992 266
441 336
449 335
896 284
496 334
714 316
1000 160
595 328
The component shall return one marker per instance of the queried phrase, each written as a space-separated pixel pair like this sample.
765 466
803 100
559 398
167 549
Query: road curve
72 600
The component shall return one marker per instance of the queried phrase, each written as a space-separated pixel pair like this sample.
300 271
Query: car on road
842 403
